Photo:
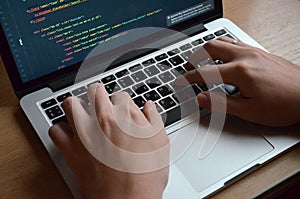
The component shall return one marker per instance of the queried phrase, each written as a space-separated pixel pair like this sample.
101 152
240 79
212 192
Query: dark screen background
46 36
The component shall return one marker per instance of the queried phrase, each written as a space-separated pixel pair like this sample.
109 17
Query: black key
151 71
108 79
153 82
139 101
185 47
161 57
218 62
167 103
54 112
190 91
196 89
165 90
203 87
171 116
166 77
135 68
175 98
125 82
209 37
197 42
181 96
60 119
176 60
158 108
220 32
178 71
63 97
85 98
48 103
140 88
230 36
165 65
173 52
79 91
217 89
148 62
179 112
112 87
130 92
139 76
231 90
122 73
205 62
152 95
186 55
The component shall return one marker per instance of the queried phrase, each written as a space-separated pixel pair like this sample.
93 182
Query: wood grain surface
26 170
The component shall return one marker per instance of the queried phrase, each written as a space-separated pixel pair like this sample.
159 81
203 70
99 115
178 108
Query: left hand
98 180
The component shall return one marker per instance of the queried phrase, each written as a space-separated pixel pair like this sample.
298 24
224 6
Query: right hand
269 86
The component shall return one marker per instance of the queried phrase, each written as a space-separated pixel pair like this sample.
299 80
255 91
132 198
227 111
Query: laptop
141 47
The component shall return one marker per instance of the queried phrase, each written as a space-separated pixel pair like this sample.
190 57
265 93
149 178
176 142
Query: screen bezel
66 74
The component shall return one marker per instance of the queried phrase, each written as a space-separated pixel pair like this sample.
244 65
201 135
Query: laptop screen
45 36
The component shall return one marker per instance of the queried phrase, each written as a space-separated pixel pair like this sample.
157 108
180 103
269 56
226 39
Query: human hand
82 148
269 86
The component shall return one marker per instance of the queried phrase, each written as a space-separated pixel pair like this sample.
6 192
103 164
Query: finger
233 41
213 74
85 106
124 105
120 99
149 110
233 105
199 58
153 115
100 102
61 135
97 92
220 50
74 112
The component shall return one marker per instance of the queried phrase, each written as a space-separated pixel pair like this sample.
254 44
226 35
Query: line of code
75 34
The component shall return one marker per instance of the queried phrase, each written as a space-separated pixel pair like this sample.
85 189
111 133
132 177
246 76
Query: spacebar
179 112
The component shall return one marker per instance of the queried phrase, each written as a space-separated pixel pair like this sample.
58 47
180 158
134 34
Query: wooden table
26 170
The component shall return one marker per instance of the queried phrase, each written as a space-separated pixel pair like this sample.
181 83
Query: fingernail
151 105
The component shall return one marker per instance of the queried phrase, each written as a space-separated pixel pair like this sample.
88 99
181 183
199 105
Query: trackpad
235 147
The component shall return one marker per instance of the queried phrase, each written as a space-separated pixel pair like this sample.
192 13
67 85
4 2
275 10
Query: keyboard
150 79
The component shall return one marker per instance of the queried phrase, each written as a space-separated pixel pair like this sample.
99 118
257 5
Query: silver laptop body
209 156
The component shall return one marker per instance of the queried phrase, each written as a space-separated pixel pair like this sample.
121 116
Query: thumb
61 135
219 102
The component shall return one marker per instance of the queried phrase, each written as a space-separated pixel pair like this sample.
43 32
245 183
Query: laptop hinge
57 85
195 30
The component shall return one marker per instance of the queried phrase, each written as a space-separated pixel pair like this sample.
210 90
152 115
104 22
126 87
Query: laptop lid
45 41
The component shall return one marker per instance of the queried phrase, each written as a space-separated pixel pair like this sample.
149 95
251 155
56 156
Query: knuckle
135 113
243 67
106 121
255 53
67 103
120 95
